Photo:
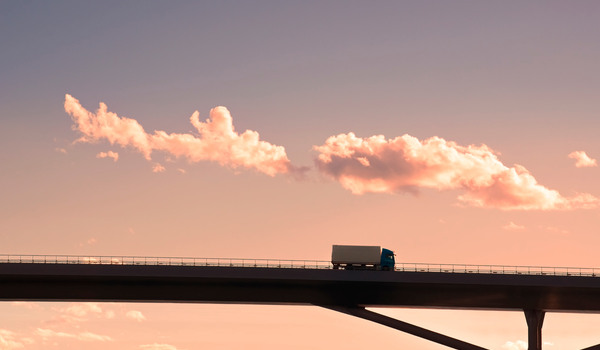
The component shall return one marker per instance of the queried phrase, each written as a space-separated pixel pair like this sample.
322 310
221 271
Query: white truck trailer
362 257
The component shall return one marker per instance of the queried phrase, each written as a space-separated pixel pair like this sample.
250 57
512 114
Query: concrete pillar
535 319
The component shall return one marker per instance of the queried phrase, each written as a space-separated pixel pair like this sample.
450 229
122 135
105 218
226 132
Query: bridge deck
321 286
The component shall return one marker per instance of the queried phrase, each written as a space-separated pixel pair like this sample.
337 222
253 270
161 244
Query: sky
449 132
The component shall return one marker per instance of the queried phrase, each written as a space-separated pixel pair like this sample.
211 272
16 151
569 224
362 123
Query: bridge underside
344 291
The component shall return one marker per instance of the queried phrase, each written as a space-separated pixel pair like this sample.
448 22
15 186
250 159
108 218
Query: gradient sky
509 87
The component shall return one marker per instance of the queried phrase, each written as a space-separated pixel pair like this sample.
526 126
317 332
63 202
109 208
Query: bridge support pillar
535 319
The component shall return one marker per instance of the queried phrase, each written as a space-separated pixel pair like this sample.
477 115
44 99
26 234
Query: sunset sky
447 131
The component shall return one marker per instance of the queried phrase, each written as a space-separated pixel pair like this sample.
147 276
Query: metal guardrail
500 269
167 261
298 264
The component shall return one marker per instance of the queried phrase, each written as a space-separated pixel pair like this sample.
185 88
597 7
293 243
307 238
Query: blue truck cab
388 262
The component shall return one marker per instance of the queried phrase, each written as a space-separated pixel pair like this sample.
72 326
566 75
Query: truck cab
388 261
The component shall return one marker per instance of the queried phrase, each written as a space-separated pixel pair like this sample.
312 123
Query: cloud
217 140
511 226
157 346
88 336
583 160
406 164
76 313
90 241
135 315
107 125
158 168
109 154
82 309
26 304
555 230
518 345
8 340
83 336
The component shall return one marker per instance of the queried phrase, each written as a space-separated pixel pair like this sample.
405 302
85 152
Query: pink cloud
217 140
520 345
582 160
517 345
157 346
555 230
9 340
76 313
82 309
511 226
135 315
157 168
107 125
406 164
90 241
83 336
109 154
89 336
26 304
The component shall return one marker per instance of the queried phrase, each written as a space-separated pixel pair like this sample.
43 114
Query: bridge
533 289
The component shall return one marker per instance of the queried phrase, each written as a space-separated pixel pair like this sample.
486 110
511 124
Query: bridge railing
499 269
300 264
167 261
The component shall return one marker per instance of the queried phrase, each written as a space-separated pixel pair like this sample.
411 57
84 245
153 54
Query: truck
360 257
